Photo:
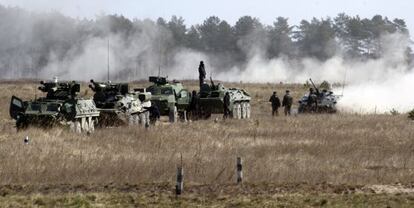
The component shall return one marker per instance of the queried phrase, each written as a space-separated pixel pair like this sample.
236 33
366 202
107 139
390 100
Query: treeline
30 40
319 38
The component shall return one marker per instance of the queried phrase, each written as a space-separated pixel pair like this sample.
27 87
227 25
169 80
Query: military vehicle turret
318 102
211 101
120 106
171 98
61 106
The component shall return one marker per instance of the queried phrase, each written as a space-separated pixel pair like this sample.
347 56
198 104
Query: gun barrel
212 82
314 86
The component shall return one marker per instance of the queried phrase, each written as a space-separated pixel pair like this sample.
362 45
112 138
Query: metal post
180 181
239 170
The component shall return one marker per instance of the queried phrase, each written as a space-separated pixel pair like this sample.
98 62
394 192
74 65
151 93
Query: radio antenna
32 69
344 82
159 56
108 60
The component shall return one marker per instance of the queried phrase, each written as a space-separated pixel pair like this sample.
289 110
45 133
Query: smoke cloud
372 85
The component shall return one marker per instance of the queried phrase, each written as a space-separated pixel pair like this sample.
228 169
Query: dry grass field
337 160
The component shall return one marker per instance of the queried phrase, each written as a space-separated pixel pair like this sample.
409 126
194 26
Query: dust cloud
372 85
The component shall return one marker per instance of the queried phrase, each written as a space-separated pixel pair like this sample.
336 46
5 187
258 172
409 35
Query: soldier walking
226 105
274 99
202 73
287 103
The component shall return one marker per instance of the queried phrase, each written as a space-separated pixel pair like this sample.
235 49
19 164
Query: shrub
411 114
325 85
394 112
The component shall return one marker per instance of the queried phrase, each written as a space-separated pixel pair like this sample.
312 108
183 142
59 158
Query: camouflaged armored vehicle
211 101
61 106
171 98
120 106
318 102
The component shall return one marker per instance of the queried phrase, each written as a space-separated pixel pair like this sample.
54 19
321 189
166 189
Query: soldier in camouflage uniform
312 99
193 108
287 103
226 105
274 99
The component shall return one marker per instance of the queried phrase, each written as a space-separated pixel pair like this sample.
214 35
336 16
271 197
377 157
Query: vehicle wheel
248 110
239 113
91 123
142 119
77 126
135 119
234 111
243 110
72 126
147 119
84 125
130 120
207 115
173 114
184 116
21 124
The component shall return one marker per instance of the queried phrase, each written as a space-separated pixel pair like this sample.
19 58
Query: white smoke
372 86
132 58
386 83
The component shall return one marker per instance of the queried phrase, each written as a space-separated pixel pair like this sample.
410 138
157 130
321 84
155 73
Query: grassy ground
160 195
370 156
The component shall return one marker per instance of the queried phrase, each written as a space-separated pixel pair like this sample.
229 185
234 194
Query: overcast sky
195 11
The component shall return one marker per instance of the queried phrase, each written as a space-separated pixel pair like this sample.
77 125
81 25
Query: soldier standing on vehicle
202 73
287 103
274 99
226 105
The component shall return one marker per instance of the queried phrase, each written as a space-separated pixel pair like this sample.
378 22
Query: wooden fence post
239 170
180 181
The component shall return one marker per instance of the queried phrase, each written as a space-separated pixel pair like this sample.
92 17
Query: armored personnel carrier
318 102
211 101
120 106
171 98
61 106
